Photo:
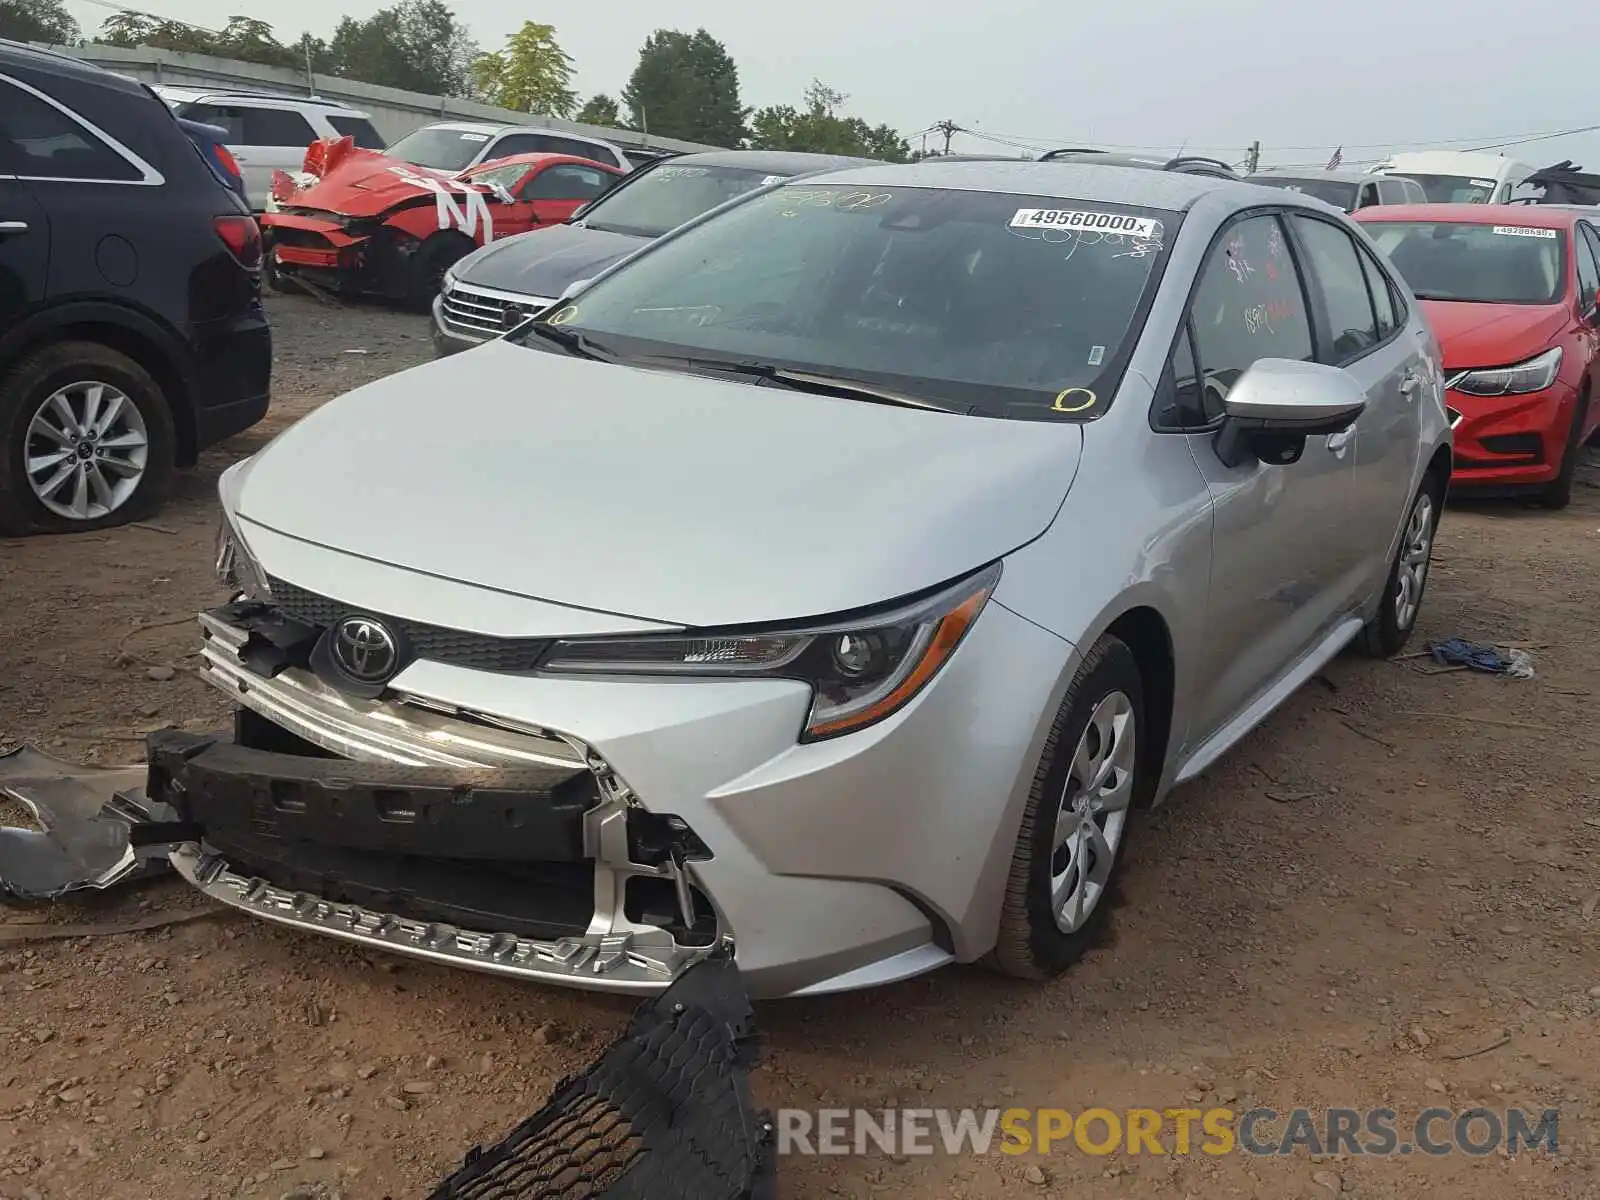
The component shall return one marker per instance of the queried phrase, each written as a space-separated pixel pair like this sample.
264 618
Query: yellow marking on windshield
1067 401
562 315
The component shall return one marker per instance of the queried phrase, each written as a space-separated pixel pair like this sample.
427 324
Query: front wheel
1387 633
1075 824
86 441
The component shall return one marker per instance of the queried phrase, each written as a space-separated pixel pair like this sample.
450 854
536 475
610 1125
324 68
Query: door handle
1339 442
1410 384
13 227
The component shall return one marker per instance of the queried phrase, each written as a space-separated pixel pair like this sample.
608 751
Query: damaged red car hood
360 183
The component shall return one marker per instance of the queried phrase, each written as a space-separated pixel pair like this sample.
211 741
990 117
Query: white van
1459 176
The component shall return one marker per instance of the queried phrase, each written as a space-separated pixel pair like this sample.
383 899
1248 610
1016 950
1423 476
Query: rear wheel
1076 821
1388 632
86 441
1558 492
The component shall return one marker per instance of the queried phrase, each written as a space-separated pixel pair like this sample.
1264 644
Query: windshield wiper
570 340
820 385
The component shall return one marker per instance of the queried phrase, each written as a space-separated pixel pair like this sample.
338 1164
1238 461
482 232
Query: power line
1486 142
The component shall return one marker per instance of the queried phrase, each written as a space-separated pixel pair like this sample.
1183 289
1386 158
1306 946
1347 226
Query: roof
1446 162
494 127
190 93
1532 216
1170 190
776 162
538 156
1335 176
39 59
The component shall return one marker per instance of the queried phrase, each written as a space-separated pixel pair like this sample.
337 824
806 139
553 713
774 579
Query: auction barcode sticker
1080 221
1523 231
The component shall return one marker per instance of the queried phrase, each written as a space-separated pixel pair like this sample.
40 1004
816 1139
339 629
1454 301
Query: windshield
1340 193
1488 264
1001 305
442 149
1455 189
669 195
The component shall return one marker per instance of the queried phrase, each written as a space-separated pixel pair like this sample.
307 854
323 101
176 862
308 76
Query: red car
356 220
1511 293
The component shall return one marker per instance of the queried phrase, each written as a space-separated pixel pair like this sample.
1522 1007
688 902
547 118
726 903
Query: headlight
1532 376
237 570
860 671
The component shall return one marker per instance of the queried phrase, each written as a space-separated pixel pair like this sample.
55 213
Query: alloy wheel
86 450
1093 812
1416 550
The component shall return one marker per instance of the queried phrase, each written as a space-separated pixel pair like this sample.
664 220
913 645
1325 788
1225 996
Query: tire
1107 693
1387 633
68 370
1557 493
435 256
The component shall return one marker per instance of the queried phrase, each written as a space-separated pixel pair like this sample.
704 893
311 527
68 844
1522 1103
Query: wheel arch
1146 634
130 334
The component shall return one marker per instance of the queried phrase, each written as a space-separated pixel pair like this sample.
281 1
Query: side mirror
1278 403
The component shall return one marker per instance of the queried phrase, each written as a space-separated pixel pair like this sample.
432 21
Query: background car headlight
860 671
1532 376
237 569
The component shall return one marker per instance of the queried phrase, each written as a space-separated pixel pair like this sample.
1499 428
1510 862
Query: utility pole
1253 158
949 129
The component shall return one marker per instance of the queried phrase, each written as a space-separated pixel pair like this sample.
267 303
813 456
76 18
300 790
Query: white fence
394 112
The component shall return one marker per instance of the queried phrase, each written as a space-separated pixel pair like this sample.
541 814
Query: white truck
1459 176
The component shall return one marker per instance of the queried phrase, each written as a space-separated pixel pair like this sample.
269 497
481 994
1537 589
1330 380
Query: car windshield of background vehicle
668 196
441 149
1487 264
1339 193
999 305
1455 189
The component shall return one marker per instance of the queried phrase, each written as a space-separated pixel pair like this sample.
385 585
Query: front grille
484 314
480 651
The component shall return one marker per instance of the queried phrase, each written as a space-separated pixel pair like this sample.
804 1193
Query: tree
686 86
416 45
600 110
140 29
532 74
820 129
250 40
37 21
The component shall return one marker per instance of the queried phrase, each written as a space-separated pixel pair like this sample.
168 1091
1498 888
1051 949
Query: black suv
131 329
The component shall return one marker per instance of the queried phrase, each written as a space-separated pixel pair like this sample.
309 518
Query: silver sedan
837 577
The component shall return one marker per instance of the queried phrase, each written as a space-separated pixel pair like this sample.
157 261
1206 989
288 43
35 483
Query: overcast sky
1301 77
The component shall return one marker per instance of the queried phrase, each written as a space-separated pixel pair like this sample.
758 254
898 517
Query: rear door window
567 181
40 141
1388 320
1588 271
276 127
367 137
1337 274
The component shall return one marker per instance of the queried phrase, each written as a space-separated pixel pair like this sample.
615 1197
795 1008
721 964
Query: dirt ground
1386 897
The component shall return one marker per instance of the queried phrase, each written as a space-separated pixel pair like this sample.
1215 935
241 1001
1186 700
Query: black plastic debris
665 1113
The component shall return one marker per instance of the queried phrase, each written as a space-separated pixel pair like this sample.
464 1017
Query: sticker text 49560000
1078 220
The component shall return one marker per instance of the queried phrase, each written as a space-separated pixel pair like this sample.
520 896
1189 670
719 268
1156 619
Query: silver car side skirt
1224 739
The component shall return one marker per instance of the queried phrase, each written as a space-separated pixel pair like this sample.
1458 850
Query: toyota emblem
365 650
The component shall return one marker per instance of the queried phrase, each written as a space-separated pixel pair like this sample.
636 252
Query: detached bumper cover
664 1114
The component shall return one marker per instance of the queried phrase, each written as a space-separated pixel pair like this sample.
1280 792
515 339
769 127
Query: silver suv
1347 190
268 132
456 145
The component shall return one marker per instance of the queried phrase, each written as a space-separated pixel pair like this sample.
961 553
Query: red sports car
356 220
1511 293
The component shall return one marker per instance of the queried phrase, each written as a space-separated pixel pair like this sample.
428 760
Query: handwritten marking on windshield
562 315
844 201
1067 400
1125 245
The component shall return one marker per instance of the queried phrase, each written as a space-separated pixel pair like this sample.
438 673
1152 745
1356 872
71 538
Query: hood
353 182
1493 335
544 262
656 495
